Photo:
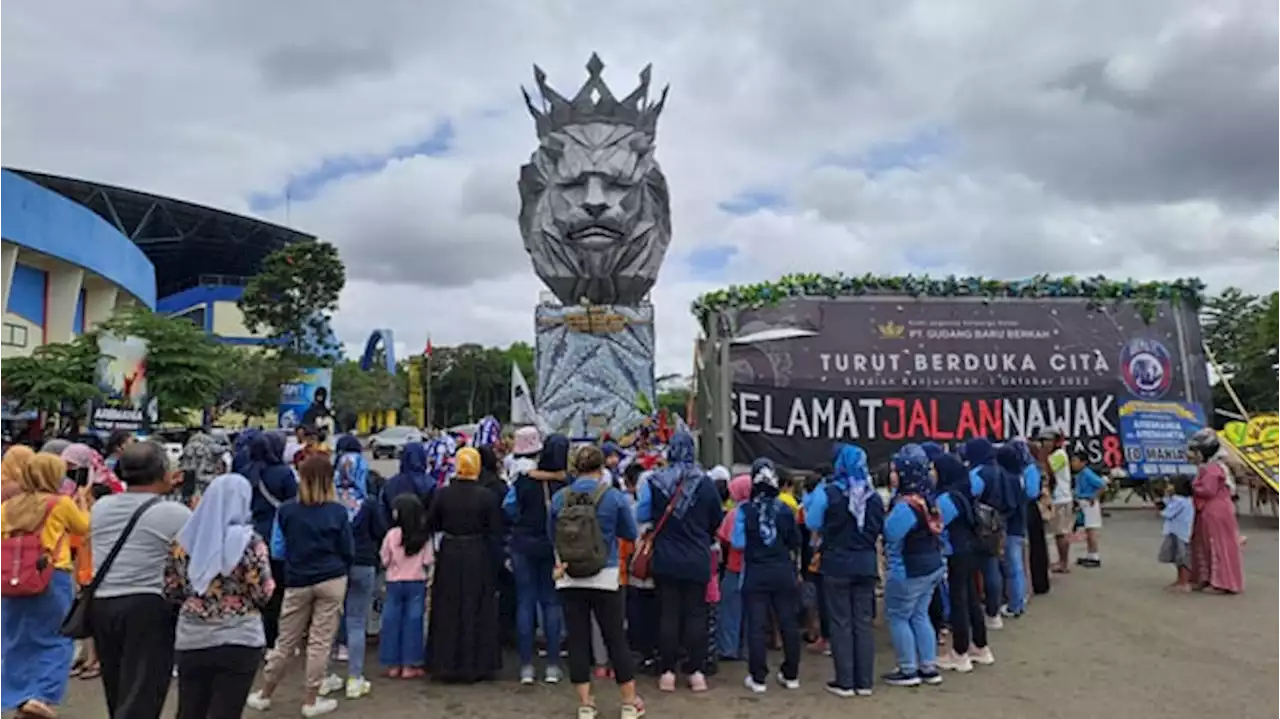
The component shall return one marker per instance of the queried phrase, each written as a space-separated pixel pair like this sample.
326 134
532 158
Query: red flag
427 352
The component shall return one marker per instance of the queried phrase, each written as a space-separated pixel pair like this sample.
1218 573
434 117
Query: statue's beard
597 252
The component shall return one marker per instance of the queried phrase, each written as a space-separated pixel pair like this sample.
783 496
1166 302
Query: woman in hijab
964 561
203 459
464 607
412 478
240 451
15 461
219 573
1215 536
368 527
684 505
1037 563
849 515
82 456
913 555
273 483
490 477
729 623
55 446
1015 526
764 529
37 658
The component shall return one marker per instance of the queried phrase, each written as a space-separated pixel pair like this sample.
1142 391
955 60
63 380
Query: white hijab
218 531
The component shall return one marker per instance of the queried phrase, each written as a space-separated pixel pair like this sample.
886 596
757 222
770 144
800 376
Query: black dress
463 641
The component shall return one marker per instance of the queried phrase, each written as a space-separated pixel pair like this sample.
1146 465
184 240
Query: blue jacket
613 512
957 517
910 550
367 531
682 550
266 467
766 567
412 479
846 550
1015 508
314 541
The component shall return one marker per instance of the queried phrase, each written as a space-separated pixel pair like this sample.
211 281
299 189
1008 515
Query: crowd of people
635 560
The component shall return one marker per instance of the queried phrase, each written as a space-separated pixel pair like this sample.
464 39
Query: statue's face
595 213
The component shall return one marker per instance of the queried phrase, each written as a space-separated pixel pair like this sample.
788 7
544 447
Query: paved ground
1106 642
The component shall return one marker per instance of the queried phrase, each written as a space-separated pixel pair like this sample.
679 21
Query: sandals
89 671
36 709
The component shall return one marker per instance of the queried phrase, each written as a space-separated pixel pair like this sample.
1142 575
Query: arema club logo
1147 368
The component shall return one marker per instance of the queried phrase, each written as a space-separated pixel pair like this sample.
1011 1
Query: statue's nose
595 203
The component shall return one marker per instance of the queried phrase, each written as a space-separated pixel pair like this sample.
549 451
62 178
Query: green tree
186 368
54 376
1241 331
293 298
253 379
469 381
674 401
356 390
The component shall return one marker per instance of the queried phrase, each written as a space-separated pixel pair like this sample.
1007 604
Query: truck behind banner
882 371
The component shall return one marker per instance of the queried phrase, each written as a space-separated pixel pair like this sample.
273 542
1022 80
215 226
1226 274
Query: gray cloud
294 67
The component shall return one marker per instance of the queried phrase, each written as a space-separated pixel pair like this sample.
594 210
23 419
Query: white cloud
1138 138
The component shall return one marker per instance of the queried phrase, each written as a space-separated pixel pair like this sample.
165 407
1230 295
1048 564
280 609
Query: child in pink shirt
406 554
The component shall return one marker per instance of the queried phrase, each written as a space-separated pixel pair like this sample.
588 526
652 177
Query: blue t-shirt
1088 484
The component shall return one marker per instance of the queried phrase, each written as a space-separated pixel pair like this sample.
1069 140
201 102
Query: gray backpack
579 541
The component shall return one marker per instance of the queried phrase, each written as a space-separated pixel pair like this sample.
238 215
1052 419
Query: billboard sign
898 369
1154 436
121 375
305 401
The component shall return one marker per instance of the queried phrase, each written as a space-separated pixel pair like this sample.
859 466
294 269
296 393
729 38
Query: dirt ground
1107 642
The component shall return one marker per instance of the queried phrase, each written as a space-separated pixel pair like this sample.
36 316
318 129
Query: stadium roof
186 242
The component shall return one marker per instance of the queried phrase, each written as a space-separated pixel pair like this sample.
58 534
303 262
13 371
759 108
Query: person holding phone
86 467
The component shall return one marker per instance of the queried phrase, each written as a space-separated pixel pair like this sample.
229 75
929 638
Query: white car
390 442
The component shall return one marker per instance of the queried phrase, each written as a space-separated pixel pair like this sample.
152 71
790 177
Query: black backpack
579 540
988 527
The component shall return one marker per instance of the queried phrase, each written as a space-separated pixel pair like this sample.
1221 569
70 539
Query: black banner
882 371
798 428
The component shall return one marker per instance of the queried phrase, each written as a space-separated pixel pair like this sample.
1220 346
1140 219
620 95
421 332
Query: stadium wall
65 269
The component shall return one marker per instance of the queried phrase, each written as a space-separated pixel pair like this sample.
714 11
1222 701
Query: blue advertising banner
305 401
1154 436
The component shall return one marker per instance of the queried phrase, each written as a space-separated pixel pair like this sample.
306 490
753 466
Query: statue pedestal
594 364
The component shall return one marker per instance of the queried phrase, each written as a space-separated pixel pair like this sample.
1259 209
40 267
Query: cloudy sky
999 137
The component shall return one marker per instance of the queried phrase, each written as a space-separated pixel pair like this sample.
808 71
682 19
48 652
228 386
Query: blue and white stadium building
74 251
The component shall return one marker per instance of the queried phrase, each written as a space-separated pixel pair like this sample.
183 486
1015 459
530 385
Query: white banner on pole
522 410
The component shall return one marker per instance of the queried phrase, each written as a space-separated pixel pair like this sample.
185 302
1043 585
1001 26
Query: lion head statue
595 212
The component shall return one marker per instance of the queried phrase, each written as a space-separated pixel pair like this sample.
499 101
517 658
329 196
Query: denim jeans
1015 573
729 627
355 616
851 603
401 643
906 604
536 590
992 585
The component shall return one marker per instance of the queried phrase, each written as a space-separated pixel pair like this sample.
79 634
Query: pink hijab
739 492
82 455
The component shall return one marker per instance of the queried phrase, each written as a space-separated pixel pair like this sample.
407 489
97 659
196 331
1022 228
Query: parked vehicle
390 442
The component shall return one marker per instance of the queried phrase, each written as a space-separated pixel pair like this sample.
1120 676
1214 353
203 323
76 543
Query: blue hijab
851 470
240 454
681 465
351 482
952 475
347 443
913 472
413 467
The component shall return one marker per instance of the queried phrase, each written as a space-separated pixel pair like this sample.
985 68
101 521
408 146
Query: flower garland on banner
1144 295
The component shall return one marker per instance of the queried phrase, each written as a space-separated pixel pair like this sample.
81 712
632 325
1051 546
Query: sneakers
862 692
586 712
553 675
955 662
633 711
320 707
331 684
342 654
1004 612
786 683
995 622
697 682
982 655
931 676
667 682
358 687
528 675
899 678
755 686
840 691
258 701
